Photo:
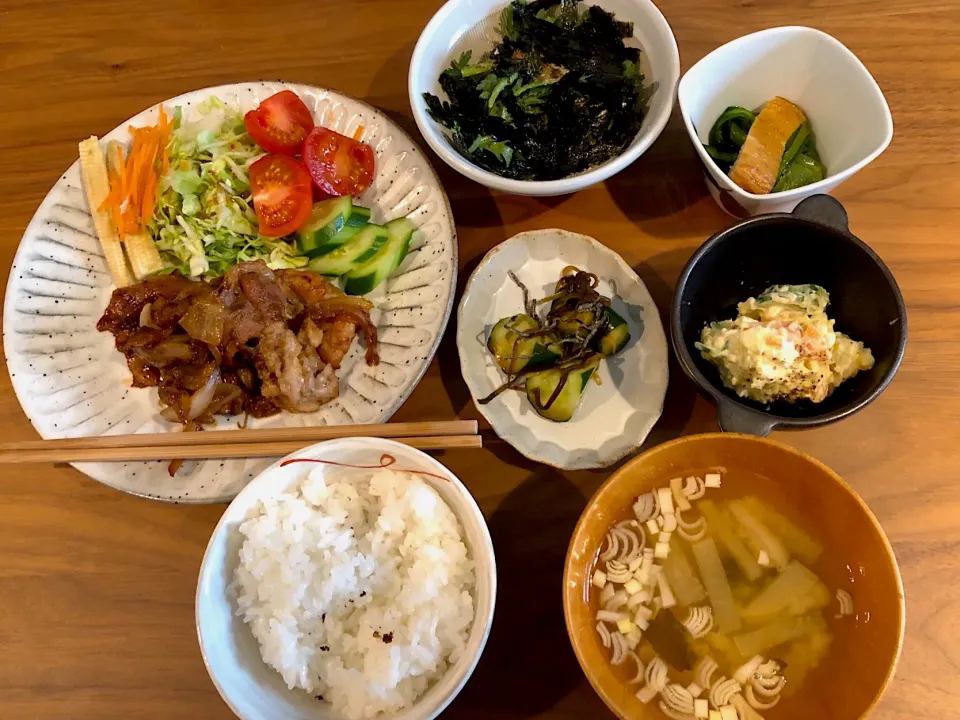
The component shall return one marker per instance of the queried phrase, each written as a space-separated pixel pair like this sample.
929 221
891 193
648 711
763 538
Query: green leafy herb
804 170
462 68
795 144
721 137
565 14
498 88
506 27
479 68
486 86
502 151
532 96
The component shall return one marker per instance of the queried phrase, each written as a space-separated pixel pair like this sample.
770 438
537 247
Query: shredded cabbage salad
204 222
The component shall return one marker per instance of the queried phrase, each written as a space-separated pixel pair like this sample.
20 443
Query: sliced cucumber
364 245
340 238
541 385
513 353
327 218
573 322
365 276
359 217
616 334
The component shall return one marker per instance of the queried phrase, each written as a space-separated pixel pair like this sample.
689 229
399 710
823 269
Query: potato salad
782 346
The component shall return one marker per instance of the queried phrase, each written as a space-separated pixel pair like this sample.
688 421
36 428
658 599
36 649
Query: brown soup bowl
857 557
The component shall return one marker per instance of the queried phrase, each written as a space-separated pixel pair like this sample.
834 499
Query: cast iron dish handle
733 418
823 210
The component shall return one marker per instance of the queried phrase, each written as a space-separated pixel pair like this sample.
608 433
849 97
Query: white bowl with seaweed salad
502 96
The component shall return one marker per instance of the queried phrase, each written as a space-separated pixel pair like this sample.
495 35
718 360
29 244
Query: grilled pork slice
292 374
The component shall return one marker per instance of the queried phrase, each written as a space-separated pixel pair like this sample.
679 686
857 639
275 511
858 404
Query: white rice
358 588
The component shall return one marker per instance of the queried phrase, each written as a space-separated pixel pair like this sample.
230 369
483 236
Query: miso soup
713 602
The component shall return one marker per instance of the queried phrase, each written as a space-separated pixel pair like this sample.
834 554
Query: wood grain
96 588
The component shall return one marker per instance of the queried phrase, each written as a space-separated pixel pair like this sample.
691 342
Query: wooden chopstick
217 450
302 435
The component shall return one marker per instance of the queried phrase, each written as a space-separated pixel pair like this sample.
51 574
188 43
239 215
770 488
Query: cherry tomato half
282 194
280 123
338 165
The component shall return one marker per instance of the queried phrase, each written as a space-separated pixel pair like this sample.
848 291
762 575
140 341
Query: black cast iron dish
812 244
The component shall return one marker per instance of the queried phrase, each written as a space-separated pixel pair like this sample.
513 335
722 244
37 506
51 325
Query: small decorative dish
844 104
615 416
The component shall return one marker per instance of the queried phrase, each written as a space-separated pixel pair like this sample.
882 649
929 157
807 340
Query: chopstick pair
220 444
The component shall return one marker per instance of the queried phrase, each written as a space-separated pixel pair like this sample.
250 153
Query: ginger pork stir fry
254 341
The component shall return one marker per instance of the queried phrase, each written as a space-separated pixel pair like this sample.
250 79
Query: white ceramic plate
614 418
252 689
71 381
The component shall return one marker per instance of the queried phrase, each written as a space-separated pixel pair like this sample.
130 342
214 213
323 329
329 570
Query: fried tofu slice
758 163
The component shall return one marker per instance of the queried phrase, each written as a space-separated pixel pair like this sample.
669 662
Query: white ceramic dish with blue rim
615 417
462 25
252 689
71 382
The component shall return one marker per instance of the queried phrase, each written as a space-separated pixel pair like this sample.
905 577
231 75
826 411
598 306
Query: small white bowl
255 691
847 110
470 25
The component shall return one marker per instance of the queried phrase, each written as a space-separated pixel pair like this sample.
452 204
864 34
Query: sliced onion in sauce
204 320
169 414
146 316
202 398
223 396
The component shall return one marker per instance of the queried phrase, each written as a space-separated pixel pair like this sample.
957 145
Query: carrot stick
133 185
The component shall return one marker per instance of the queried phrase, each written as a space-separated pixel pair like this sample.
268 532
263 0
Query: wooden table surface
97 588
